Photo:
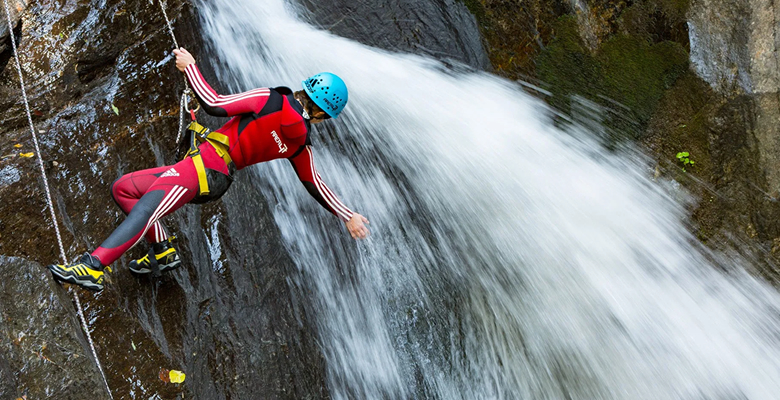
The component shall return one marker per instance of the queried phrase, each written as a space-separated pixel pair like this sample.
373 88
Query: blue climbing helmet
328 92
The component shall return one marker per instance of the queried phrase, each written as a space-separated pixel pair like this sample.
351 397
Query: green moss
627 69
636 73
567 66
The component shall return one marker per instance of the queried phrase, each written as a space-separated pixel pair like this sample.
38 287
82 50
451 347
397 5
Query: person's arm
212 102
303 163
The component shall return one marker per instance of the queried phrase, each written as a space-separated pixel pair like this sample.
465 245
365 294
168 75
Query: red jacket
267 124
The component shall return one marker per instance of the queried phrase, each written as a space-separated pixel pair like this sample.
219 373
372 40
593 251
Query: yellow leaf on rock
26 155
17 145
177 376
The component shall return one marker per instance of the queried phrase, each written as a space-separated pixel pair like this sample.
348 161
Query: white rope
48 193
184 102
168 21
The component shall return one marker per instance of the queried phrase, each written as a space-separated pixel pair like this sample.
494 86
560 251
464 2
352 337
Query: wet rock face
720 43
16 7
227 318
43 350
734 48
442 29
6 49
734 44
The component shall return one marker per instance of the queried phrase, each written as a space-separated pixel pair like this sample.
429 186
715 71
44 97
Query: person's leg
171 188
127 190
146 196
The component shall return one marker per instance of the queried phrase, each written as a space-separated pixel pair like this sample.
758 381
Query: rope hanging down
184 102
170 27
48 194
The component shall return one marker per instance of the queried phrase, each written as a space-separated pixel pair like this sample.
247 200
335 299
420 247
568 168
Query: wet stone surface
441 29
228 318
6 48
43 352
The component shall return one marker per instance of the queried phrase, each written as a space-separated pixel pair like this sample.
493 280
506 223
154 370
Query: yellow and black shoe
87 273
165 257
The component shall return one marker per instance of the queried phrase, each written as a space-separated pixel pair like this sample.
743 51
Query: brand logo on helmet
282 146
329 104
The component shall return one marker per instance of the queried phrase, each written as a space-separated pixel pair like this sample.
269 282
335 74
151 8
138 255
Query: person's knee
114 188
118 193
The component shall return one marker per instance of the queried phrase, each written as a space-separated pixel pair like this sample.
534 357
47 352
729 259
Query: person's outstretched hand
356 226
183 58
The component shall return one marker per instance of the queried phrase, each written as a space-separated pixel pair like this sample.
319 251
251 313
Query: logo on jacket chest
282 146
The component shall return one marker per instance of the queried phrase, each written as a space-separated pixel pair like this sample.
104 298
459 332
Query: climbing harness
220 142
198 133
84 325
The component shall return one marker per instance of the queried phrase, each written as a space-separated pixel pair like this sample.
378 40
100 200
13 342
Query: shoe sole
163 268
72 279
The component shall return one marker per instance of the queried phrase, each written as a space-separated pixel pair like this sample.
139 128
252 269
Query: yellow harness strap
220 143
203 183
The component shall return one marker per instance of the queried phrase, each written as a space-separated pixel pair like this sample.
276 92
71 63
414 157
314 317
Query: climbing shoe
165 258
87 272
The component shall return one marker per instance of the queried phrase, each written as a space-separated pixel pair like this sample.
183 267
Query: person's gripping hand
183 58
356 226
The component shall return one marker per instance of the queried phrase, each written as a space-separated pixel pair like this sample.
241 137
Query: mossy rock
568 67
514 31
681 123
626 69
636 73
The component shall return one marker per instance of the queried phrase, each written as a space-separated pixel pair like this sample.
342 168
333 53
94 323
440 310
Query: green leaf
116 110
692 163
132 344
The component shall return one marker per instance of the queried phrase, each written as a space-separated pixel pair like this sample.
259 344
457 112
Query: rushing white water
507 259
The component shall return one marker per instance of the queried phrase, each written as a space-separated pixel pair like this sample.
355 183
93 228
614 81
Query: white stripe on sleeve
340 210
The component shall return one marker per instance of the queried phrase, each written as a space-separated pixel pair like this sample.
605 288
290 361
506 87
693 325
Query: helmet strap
305 114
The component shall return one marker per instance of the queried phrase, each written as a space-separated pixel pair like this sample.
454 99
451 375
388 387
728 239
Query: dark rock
104 46
443 29
515 32
15 31
16 7
44 351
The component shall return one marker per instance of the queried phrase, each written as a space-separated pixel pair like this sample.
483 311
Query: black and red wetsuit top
267 124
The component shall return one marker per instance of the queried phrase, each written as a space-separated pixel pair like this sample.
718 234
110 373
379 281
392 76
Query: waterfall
508 259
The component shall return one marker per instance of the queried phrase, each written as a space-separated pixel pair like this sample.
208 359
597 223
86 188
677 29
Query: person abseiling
267 124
